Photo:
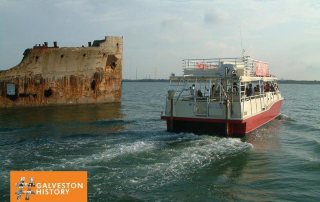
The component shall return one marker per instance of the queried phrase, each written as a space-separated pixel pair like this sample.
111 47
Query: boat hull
237 128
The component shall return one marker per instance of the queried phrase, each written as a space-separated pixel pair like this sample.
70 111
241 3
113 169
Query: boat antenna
242 50
136 73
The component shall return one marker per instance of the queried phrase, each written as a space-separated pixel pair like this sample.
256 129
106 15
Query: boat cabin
220 90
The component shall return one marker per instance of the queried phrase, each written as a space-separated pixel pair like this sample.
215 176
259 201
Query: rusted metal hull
61 76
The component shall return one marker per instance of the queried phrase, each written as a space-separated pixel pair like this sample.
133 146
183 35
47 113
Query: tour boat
222 96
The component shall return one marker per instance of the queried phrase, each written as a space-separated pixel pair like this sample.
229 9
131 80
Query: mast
226 103
242 49
136 73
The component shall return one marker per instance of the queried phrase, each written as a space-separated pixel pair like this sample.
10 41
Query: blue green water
129 155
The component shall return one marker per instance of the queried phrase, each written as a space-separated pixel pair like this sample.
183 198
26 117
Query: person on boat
267 87
235 87
213 90
276 87
242 88
199 93
257 88
192 90
272 88
249 91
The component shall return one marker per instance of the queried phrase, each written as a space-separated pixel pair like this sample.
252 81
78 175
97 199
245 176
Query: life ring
201 65
234 73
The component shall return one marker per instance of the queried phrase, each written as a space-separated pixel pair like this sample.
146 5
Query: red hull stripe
239 126
258 120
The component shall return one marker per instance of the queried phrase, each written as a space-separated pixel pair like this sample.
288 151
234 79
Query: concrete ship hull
67 75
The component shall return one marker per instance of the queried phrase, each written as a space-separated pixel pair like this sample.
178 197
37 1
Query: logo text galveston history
57 188
48 186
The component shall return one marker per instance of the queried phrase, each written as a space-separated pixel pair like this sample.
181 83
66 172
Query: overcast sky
159 34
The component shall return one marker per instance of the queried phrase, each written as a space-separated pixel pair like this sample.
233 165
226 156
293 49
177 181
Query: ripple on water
170 163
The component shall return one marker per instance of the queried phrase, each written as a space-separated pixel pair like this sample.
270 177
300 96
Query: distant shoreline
145 80
298 82
280 81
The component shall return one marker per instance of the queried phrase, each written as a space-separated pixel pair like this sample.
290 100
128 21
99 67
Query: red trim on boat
237 127
258 120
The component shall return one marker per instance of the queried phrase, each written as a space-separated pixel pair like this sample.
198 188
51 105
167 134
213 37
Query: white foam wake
178 162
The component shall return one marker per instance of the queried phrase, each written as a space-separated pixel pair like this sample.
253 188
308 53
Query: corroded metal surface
53 75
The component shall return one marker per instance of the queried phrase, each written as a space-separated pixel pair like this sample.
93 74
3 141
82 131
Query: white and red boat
222 96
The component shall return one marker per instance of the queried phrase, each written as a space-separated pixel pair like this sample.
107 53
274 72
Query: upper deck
244 68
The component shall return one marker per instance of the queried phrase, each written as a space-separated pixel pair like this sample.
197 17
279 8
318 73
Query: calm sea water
129 155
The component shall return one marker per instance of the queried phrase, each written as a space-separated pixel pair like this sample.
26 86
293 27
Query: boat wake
154 159
167 163
285 117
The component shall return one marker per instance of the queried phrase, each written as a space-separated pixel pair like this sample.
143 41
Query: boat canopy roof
245 69
206 78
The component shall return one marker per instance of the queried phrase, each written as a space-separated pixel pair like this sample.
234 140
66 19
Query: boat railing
182 96
246 98
259 95
251 66
208 63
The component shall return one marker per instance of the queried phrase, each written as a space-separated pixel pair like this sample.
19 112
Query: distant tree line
299 82
280 81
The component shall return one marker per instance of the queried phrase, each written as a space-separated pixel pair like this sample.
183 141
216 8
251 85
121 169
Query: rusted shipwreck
65 75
